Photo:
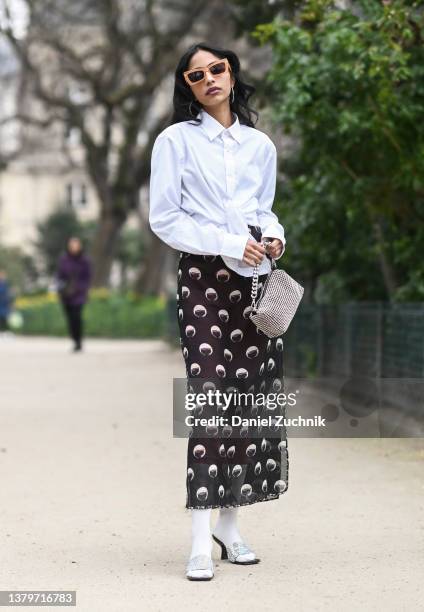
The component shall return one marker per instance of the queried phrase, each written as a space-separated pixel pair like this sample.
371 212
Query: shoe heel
224 554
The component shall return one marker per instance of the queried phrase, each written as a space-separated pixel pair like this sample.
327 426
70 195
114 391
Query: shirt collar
213 127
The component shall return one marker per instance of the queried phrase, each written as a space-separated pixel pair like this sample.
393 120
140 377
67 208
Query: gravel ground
93 494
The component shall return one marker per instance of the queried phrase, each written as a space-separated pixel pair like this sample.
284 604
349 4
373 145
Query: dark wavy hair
183 94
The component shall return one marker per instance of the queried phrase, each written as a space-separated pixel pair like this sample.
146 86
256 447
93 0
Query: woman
212 187
73 276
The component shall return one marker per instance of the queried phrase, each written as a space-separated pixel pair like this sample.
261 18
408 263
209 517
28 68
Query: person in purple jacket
73 278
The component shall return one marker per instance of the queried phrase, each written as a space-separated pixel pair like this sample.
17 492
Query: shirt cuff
234 245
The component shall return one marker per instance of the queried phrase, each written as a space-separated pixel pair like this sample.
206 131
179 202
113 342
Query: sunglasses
198 74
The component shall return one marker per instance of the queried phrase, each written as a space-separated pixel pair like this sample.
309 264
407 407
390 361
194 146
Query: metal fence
377 340
374 339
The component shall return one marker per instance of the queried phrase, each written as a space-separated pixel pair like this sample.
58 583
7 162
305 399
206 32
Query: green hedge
111 315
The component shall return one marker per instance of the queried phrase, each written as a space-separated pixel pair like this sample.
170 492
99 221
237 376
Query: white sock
226 530
201 532
226 526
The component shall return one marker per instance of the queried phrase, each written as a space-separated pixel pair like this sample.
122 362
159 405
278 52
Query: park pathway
93 492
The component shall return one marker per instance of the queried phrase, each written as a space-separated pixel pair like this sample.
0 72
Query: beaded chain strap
279 299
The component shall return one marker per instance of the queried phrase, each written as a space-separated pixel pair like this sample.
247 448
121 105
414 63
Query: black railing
377 340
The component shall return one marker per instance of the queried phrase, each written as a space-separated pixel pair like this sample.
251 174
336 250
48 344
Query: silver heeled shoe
200 567
234 551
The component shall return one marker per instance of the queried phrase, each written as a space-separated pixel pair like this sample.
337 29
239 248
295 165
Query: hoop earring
232 91
189 109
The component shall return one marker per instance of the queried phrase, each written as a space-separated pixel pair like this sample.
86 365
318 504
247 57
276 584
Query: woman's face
223 81
74 245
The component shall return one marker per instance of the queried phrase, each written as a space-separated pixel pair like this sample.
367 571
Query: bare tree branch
114 52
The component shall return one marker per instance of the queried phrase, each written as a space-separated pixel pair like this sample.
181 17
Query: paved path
93 494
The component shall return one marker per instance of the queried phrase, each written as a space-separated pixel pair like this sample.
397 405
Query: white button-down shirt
208 183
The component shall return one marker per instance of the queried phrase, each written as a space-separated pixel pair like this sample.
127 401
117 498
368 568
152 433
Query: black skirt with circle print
230 464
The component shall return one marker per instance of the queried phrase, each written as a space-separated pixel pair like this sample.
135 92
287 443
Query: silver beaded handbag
276 306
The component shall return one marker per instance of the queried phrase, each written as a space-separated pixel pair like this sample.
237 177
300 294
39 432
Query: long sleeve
170 222
268 220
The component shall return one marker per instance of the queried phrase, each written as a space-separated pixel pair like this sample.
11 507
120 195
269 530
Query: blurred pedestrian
74 277
6 301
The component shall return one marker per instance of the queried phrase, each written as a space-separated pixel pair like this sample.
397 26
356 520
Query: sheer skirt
230 462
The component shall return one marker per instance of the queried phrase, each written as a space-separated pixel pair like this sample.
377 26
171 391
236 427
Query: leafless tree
101 67
98 66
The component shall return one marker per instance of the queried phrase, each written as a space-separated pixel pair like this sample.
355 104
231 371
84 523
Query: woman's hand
254 252
275 248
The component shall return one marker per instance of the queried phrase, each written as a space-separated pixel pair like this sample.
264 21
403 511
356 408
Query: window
76 195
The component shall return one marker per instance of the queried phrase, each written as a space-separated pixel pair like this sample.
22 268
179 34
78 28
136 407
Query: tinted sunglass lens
196 75
218 68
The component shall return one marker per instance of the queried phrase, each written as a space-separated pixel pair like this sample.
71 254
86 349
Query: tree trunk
150 280
103 249
387 270
124 277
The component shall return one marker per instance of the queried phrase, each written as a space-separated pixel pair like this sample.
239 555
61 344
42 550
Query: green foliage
19 268
349 84
131 247
107 314
245 15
